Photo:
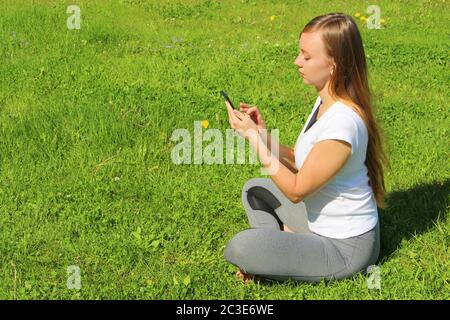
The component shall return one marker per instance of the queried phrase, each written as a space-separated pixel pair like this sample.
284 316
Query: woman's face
313 63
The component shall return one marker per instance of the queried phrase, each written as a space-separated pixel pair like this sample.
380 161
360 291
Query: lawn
87 115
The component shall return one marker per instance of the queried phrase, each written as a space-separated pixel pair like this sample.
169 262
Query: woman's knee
237 248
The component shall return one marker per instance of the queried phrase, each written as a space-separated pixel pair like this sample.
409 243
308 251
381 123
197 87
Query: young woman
316 217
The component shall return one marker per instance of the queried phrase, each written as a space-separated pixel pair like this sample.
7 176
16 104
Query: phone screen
225 96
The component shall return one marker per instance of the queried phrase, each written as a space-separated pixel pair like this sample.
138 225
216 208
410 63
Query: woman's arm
323 162
285 153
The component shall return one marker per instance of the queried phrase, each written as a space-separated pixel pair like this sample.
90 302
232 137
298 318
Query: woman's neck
326 102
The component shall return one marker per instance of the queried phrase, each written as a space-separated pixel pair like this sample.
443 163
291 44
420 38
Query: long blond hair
349 82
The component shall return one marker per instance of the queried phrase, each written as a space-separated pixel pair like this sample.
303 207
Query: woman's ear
333 67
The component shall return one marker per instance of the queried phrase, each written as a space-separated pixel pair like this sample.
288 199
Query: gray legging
267 251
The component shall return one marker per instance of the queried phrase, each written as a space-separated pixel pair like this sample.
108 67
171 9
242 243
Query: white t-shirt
345 206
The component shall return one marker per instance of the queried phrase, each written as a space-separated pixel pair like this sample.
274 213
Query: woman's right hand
254 113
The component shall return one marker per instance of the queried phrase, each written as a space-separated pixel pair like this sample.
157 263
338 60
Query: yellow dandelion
382 21
272 18
205 124
357 14
363 18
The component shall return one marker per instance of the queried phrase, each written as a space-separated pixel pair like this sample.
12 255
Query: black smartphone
225 96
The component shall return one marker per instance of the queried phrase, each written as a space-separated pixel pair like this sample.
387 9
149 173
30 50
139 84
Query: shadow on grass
410 212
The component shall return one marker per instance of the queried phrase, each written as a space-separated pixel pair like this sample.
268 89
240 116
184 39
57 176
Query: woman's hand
254 114
242 123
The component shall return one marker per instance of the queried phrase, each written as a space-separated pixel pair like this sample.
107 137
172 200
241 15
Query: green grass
86 117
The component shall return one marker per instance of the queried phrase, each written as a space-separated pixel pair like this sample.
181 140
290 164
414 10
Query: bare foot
285 228
247 277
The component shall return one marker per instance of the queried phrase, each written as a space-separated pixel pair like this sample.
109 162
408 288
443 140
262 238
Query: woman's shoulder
353 108
350 104
352 113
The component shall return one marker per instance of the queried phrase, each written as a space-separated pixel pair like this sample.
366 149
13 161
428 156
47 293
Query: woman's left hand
242 123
